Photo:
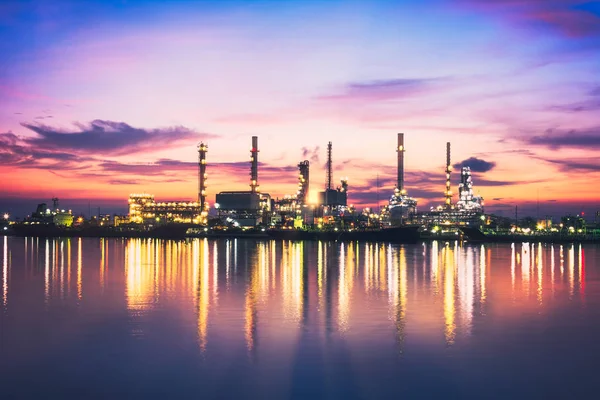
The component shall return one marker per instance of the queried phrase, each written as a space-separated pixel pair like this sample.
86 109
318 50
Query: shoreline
327 237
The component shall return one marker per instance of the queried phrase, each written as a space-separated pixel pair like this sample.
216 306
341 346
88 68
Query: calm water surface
138 318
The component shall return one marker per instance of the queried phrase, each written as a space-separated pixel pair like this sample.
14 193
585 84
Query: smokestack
400 151
254 165
202 177
329 167
448 192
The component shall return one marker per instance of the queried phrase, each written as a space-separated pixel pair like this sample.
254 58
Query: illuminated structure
137 207
303 182
401 207
245 208
448 191
292 211
329 167
202 178
62 218
254 187
144 209
332 198
46 216
468 209
467 201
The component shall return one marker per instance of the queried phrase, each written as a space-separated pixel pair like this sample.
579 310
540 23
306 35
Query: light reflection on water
288 305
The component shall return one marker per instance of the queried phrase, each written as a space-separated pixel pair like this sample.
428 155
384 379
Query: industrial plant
467 211
308 213
254 208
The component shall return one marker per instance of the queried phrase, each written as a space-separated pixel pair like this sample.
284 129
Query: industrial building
294 211
401 207
143 209
245 208
303 182
56 216
467 211
332 199
467 201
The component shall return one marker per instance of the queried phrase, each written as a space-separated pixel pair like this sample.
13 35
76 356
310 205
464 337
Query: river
146 318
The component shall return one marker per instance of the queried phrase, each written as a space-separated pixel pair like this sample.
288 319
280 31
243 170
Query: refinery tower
401 206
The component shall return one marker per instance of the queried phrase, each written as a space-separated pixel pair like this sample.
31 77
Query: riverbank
357 236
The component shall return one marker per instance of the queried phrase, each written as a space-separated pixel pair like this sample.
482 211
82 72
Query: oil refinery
331 210
294 216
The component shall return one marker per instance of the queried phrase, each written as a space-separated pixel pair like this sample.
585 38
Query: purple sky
102 99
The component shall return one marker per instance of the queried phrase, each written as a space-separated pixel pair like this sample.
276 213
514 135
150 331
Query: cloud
588 105
159 167
555 139
123 182
579 164
480 182
110 138
476 164
170 167
384 89
592 103
14 152
571 18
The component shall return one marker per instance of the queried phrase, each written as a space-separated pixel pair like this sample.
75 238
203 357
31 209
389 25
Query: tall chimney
202 177
400 151
448 192
329 167
254 165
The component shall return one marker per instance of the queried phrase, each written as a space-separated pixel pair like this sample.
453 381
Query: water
138 318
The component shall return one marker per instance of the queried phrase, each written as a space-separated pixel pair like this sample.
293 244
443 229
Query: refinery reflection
272 289
5 272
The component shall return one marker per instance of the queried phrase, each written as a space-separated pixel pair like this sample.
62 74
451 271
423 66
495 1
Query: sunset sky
99 99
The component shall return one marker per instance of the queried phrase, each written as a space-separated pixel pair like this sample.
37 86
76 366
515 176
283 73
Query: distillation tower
466 199
303 183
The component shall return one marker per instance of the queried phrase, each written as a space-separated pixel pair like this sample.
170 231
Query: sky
100 99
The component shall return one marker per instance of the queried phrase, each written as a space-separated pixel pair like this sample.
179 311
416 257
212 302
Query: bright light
6 216
217 205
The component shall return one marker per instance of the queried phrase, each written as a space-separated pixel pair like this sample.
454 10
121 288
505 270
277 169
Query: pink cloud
560 15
